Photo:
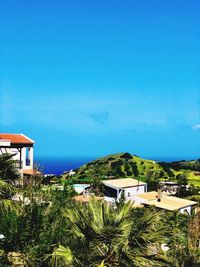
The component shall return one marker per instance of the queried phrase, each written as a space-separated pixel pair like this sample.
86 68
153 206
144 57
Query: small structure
165 202
21 147
170 188
81 188
72 172
130 187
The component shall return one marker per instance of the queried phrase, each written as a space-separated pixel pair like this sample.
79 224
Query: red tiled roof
16 138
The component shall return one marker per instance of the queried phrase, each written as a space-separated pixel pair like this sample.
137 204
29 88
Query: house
171 188
71 172
21 147
129 186
165 202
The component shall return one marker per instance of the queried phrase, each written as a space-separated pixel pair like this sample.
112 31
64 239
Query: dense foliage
46 227
188 165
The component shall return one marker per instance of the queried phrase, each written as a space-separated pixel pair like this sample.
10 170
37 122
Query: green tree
8 176
182 179
152 180
115 236
6 192
8 169
134 168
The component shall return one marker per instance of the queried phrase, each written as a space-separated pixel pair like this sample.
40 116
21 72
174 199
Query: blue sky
99 77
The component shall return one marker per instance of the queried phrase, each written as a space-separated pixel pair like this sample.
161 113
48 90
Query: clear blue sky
102 76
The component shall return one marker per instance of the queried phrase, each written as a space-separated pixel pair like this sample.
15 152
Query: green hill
126 165
190 168
193 165
123 165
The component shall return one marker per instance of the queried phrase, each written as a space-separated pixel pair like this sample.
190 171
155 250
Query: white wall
4 143
130 192
10 151
16 155
138 200
185 210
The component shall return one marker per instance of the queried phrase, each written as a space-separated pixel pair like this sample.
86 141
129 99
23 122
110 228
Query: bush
128 170
126 156
134 168
195 198
117 163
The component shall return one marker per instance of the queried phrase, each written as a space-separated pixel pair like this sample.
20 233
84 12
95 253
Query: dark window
110 192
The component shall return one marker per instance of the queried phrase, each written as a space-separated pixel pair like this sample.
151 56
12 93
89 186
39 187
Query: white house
130 187
165 202
21 147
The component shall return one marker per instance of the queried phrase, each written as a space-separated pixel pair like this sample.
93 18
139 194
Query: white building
21 147
130 187
165 202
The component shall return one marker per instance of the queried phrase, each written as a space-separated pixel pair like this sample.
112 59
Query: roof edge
31 140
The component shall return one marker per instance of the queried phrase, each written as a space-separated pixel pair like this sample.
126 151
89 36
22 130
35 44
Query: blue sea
57 165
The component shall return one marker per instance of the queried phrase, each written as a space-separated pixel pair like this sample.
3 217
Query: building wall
130 192
16 155
11 151
138 200
186 210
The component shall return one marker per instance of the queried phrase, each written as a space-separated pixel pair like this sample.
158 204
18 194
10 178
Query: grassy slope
190 168
120 165
192 177
123 165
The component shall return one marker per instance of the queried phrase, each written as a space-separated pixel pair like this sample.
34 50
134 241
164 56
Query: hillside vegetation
126 165
190 168
193 165
122 165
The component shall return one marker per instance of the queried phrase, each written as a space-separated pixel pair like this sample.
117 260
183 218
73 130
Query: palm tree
8 169
8 175
6 191
102 235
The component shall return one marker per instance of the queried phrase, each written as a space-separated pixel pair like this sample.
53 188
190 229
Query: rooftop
123 183
16 138
167 202
148 195
83 198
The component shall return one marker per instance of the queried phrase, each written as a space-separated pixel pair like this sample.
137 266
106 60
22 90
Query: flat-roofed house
130 187
166 202
21 147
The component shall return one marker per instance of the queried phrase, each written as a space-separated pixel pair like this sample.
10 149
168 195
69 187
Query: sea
58 165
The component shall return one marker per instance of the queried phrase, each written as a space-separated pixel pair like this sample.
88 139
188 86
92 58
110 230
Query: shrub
126 156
